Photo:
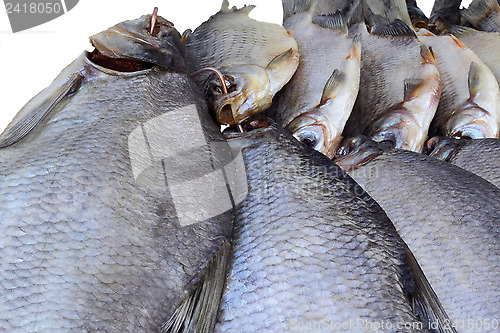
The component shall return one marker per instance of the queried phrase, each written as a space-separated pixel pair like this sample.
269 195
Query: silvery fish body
450 220
311 253
486 45
470 99
479 156
318 100
255 58
99 175
399 87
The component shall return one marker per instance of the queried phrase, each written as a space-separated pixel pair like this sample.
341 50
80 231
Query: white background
31 59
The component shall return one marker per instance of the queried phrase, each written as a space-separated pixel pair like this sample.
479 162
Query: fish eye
309 139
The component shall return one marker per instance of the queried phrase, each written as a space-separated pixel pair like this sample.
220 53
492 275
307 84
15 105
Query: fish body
480 156
316 103
98 230
486 45
399 87
450 219
310 252
256 59
470 99
483 14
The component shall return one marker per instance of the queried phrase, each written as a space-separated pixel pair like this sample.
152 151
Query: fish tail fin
478 10
399 10
355 13
198 311
375 12
331 21
292 7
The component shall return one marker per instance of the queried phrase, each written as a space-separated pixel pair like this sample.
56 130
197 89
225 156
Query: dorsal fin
331 21
397 29
459 30
292 7
243 10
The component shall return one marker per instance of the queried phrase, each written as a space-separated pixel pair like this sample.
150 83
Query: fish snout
248 93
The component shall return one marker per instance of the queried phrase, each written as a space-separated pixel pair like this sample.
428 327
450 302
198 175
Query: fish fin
280 60
198 311
459 30
243 10
35 111
331 21
331 86
473 78
428 54
396 29
425 302
355 13
185 35
292 7
478 10
375 12
398 10
412 88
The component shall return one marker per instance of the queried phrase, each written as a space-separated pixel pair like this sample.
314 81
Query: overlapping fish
470 100
450 219
399 87
318 100
255 58
98 232
481 156
313 252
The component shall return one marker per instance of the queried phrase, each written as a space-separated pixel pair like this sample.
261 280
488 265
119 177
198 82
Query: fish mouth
443 148
248 94
357 151
316 131
129 45
472 122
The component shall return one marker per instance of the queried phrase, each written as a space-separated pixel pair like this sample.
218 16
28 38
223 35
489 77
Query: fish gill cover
26 14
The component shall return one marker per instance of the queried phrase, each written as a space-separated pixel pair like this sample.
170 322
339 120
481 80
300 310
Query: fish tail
292 7
479 10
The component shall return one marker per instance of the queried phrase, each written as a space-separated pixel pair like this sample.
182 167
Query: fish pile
337 173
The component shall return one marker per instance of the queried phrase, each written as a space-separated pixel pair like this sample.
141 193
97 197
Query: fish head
131 40
248 93
316 131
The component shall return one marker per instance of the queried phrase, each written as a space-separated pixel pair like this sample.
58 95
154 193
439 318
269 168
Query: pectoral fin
474 83
281 61
198 312
332 85
412 88
37 109
425 301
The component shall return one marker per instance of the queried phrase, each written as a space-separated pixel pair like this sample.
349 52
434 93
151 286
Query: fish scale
83 244
450 220
308 248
